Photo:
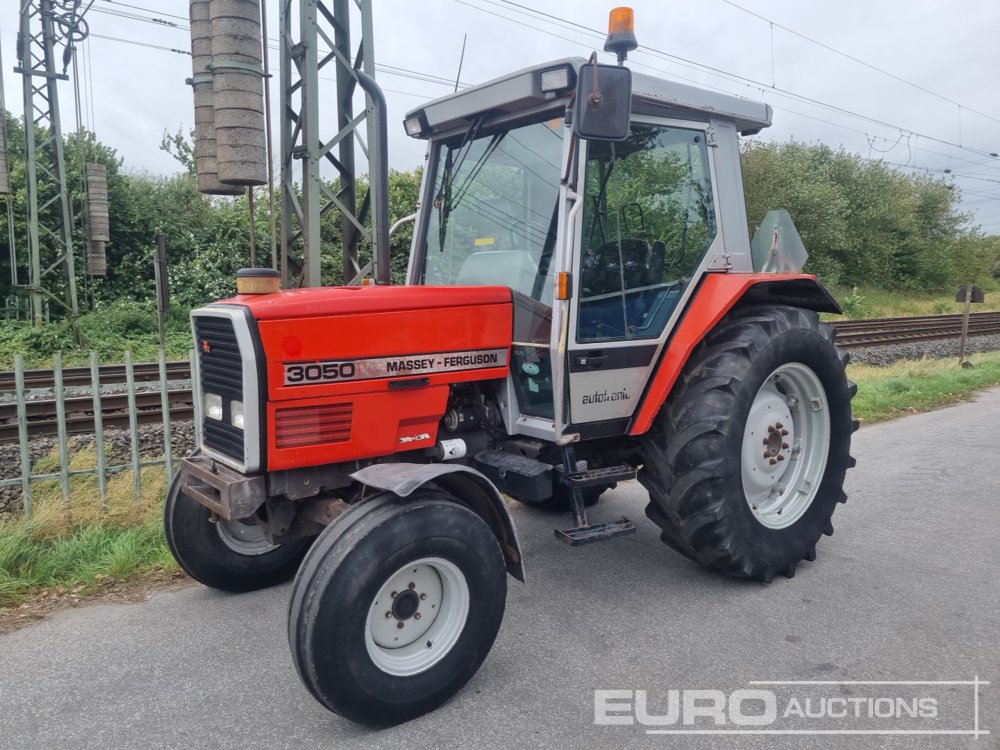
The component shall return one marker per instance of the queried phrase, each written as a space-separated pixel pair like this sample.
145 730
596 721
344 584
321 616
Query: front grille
313 425
221 369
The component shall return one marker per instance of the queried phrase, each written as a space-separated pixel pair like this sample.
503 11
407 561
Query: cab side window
649 218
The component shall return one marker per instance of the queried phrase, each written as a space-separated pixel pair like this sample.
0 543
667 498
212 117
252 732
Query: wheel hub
405 605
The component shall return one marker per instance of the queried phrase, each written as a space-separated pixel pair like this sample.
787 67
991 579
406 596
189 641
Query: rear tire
226 555
396 606
745 464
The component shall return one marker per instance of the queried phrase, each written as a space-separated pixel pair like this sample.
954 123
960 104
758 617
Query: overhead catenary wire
865 63
702 67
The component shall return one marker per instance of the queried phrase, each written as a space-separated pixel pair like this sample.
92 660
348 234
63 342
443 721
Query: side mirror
603 102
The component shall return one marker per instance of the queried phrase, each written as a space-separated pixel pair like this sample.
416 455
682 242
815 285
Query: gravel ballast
889 353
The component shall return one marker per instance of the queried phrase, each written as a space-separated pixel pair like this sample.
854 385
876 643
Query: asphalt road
906 589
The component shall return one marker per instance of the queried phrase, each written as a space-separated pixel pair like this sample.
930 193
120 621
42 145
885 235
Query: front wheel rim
786 443
417 616
244 538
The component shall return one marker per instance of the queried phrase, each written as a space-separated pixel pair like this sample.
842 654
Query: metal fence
64 401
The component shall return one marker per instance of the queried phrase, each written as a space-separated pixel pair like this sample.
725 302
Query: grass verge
867 302
83 545
922 385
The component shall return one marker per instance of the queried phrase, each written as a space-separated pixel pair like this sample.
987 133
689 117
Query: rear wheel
226 555
745 464
396 606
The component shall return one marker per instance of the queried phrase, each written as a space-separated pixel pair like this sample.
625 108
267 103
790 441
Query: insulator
205 145
97 261
237 92
99 229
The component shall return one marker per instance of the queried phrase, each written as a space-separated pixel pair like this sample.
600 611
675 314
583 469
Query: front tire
396 606
225 555
746 463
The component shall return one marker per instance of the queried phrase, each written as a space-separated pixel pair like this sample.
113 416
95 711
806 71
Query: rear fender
468 485
716 296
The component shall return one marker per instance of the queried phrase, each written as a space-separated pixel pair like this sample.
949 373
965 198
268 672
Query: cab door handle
592 361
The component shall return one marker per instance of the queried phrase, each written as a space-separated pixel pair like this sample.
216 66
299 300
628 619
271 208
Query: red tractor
584 306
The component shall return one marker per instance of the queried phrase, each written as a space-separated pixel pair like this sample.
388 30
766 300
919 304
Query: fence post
165 408
57 374
95 386
133 424
22 434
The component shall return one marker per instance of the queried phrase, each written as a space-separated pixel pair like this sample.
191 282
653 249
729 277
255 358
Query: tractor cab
601 239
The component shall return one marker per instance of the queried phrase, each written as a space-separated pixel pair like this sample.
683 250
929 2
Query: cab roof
520 91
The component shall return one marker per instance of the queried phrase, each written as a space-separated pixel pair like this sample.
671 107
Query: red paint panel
382 334
380 424
348 300
714 298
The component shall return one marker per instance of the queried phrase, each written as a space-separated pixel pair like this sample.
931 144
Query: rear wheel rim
417 616
786 442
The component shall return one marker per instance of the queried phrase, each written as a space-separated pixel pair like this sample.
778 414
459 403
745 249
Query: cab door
647 225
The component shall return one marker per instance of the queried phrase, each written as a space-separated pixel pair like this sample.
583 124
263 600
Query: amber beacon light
621 33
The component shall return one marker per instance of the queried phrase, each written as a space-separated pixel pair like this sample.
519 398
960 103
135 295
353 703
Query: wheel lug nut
412 585
423 596
778 425
399 624
780 457
395 594
772 462
784 432
388 615
784 446
417 616
765 441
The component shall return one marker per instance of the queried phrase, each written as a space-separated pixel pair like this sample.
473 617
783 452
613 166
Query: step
597 532
604 475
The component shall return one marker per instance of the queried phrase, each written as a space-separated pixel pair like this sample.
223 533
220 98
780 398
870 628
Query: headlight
213 406
237 414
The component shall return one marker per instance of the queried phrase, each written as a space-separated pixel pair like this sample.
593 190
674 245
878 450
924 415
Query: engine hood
352 300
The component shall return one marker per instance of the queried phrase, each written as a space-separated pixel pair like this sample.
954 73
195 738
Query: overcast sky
950 49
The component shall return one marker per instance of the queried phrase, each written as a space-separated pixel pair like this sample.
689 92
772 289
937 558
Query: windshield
494 210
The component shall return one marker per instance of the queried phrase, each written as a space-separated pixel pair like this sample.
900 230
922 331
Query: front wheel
745 464
396 606
226 555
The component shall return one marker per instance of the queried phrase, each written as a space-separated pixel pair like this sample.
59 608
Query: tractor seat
602 272
514 268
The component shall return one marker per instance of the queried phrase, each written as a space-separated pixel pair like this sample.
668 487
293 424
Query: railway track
42 415
881 331
144 372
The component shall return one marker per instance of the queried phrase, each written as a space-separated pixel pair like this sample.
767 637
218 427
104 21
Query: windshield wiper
442 201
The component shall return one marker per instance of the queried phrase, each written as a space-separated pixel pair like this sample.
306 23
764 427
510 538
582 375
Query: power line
859 61
140 44
526 10
147 10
